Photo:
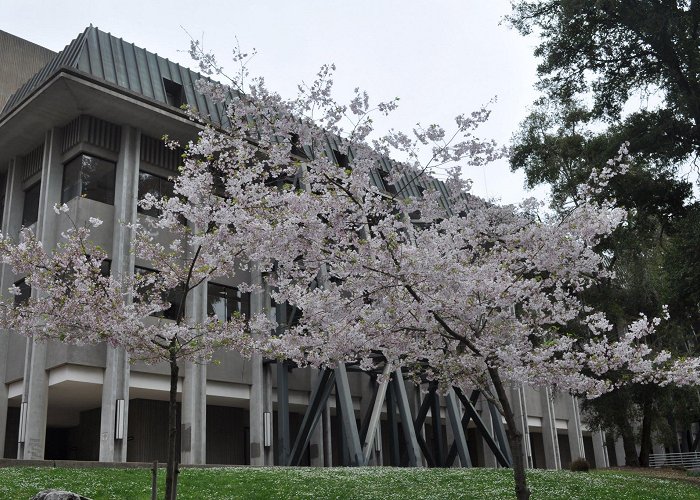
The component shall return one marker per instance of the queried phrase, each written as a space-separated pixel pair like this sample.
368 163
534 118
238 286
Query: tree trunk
630 446
172 466
645 437
515 437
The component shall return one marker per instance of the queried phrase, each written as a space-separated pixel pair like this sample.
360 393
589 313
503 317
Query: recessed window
225 301
155 185
89 177
175 296
30 211
174 93
25 291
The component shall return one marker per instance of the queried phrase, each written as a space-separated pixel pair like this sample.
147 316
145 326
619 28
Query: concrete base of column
194 414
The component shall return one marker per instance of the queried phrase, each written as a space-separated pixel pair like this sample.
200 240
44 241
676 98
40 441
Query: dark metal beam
314 411
471 413
395 454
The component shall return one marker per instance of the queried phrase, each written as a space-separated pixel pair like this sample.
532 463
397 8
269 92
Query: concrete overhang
70 93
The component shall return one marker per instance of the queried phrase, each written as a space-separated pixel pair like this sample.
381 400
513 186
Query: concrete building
84 130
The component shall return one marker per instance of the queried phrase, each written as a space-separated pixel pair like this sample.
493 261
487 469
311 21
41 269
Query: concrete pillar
552 456
600 451
36 389
261 385
450 433
574 429
194 414
519 404
619 452
485 414
414 402
193 435
327 436
12 220
115 386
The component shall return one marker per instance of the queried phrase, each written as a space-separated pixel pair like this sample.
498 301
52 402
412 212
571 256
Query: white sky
441 57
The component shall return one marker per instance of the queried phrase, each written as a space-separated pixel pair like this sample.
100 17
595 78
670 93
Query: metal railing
689 460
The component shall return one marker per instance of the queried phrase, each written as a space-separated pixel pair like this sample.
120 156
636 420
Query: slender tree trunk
645 437
515 437
630 446
172 466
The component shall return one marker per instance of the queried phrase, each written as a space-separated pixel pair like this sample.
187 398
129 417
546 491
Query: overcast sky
441 58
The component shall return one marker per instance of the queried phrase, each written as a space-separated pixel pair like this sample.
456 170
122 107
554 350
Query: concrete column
574 429
600 451
327 437
450 434
485 414
36 389
552 456
12 220
116 377
193 433
619 452
519 404
414 402
261 384
194 414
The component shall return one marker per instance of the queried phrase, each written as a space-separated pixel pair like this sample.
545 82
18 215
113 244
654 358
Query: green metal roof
111 59
106 57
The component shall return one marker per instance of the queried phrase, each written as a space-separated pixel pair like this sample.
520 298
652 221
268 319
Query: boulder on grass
58 495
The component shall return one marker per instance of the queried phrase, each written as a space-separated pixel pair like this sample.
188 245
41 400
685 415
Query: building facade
85 130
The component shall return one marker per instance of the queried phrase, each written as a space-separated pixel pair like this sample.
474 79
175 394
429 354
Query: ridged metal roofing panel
104 47
155 77
131 68
120 66
144 75
95 67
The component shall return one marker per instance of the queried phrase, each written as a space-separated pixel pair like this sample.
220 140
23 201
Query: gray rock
58 495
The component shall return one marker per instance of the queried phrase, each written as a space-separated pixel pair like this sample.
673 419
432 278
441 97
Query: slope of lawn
356 483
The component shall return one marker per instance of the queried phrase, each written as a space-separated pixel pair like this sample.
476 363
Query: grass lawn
356 483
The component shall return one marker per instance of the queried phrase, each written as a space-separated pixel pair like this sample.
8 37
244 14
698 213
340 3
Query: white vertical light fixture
119 420
267 429
22 422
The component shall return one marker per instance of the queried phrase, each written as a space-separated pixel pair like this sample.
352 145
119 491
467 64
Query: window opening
30 210
174 93
89 177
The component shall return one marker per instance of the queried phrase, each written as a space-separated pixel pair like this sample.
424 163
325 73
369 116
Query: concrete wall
19 60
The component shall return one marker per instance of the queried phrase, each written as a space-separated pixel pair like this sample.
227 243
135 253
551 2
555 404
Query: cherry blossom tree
79 303
459 290
387 261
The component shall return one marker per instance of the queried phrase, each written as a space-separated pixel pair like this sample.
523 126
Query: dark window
155 185
175 296
297 147
30 211
25 292
388 187
341 159
224 301
174 93
90 177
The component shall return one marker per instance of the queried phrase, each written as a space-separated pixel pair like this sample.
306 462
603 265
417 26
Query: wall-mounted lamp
267 429
119 420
